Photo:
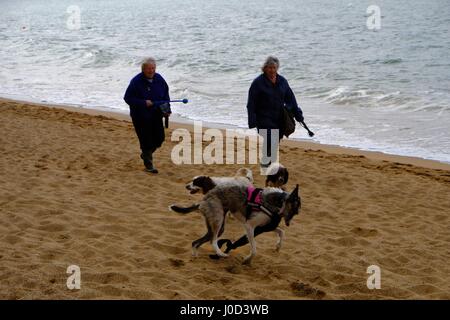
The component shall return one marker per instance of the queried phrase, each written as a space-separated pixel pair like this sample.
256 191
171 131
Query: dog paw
278 248
221 254
247 261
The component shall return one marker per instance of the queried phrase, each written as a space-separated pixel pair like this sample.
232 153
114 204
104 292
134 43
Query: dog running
272 204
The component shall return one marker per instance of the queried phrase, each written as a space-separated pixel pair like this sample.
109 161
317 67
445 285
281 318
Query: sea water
385 89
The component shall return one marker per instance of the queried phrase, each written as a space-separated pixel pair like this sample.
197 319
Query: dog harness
254 196
254 202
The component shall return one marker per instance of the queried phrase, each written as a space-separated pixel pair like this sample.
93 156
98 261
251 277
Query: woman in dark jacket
144 95
268 95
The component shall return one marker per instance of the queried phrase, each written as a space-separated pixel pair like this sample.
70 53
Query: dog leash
267 211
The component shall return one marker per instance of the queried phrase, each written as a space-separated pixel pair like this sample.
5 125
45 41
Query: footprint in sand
364 232
305 290
52 227
176 262
11 239
112 277
344 241
233 269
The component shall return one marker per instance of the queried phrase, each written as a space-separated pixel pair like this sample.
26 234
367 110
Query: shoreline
180 122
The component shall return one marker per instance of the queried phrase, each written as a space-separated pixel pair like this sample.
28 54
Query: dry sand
72 191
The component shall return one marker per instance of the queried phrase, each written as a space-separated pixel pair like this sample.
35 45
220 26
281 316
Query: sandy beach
73 192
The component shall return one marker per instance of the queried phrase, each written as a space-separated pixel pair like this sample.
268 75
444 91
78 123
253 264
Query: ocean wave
395 100
383 61
346 95
97 58
392 61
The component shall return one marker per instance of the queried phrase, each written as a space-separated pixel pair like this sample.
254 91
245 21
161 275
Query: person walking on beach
148 98
269 93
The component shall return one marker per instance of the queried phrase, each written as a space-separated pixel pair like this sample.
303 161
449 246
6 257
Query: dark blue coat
267 100
147 121
139 90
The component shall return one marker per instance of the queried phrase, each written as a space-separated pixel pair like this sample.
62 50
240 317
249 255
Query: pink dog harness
254 202
254 195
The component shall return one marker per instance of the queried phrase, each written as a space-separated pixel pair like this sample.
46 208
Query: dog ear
294 193
207 184
198 181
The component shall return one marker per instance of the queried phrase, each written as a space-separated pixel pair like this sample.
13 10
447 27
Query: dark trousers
150 134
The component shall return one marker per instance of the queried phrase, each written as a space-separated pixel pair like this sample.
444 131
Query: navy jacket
139 90
267 100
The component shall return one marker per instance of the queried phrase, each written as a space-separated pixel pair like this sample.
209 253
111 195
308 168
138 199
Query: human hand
149 103
165 109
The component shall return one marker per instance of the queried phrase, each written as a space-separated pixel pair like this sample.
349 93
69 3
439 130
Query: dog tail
179 209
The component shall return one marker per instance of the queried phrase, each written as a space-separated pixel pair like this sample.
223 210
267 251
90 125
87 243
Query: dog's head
200 183
277 175
291 206
246 173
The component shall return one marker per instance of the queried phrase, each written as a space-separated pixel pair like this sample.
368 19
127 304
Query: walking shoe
147 157
151 170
